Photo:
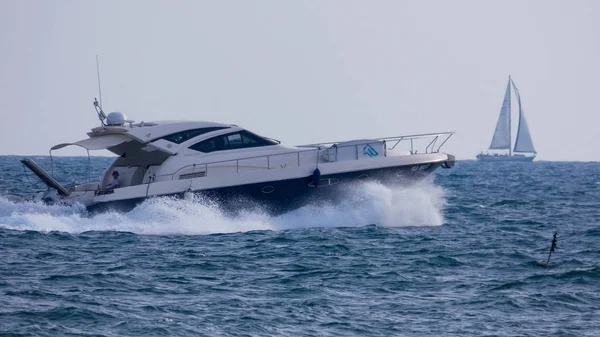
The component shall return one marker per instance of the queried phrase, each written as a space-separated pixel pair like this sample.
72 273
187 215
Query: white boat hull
505 158
277 195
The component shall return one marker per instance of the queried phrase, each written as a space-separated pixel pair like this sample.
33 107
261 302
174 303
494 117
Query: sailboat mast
509 120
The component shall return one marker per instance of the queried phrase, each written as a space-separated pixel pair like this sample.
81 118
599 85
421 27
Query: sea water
460 253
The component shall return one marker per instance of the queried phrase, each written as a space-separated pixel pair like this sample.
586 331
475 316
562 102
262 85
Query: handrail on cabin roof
317 147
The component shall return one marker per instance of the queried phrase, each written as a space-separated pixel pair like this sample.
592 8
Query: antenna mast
98 106
98 72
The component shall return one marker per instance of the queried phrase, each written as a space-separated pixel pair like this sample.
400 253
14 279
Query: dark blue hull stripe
284 195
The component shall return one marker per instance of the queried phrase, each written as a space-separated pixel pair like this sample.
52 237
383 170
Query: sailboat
523 151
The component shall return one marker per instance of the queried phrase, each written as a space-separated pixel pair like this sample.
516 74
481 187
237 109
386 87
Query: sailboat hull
505 158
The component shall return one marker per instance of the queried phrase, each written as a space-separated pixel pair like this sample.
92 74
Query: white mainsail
523 143
501 139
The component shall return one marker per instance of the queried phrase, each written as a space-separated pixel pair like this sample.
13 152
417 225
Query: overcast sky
304 71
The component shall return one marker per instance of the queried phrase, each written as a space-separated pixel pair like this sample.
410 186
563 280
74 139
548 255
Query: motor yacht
232 165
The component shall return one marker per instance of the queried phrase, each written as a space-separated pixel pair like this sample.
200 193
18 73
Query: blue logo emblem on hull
370 151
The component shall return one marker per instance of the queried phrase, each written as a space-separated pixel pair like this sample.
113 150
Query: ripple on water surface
455 255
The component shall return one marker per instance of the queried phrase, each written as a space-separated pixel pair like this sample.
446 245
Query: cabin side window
231 141
182 136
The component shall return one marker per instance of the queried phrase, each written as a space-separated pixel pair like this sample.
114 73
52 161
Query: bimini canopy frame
92 144
96 143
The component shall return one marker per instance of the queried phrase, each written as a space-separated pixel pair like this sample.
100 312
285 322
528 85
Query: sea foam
418 204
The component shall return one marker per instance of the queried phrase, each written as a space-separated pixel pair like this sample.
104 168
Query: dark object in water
552 250
553 246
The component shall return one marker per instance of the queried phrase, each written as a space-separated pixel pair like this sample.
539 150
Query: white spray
420 204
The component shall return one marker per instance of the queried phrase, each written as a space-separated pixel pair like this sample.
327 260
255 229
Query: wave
419 204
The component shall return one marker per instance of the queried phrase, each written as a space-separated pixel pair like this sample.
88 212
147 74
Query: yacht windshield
182 136
231 141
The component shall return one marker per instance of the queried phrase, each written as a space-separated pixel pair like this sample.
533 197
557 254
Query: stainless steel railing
435 137
431 147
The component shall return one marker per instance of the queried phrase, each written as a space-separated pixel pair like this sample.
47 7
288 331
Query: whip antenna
99 87
98 106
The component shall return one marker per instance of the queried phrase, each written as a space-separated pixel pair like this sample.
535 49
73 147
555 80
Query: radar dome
116 118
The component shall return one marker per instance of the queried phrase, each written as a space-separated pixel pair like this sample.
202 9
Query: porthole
268 189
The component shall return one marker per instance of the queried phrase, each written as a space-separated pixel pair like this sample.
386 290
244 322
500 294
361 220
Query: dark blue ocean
456 254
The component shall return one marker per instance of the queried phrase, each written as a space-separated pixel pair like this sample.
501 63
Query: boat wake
420 204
